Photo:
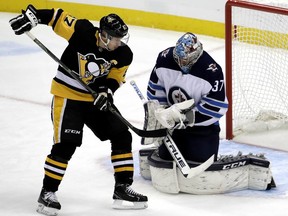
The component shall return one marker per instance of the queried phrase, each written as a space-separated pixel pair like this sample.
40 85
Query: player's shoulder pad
124 55
165 59
208 64
84 25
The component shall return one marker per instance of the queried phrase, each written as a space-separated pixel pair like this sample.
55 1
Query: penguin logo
91 68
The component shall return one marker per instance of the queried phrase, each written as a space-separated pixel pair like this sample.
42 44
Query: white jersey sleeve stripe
215 103
208 112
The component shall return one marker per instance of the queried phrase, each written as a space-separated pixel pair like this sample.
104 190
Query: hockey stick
113 110
175 152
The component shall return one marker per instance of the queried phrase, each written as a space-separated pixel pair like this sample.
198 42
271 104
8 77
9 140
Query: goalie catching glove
178 116
24 22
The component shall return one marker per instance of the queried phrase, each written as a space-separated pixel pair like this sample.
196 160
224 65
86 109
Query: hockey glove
151 123
24 22
104 98
178 116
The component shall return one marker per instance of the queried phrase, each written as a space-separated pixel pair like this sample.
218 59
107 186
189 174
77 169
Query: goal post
256 55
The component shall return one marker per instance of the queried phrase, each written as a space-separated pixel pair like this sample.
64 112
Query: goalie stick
174 151
113 110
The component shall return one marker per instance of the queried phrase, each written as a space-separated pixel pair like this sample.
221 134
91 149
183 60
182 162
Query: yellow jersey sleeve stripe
118 74
63 24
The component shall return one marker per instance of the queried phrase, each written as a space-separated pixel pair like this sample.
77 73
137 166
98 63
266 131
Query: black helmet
113 25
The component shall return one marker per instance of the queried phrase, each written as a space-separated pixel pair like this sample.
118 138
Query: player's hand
104 98
24 22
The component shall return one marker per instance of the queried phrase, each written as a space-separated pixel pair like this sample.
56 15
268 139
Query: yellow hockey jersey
94 65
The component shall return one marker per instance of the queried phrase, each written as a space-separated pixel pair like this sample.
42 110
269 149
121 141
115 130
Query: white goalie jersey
204 83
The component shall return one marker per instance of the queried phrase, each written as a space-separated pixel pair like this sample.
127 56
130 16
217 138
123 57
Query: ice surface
26 138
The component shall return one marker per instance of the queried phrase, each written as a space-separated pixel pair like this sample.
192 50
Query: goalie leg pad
216 182
165 180
260 175
143 161
229 174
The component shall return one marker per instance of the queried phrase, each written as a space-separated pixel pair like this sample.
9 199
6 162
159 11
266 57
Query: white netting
259 68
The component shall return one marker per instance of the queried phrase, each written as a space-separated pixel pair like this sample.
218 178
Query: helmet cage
124 40
187 51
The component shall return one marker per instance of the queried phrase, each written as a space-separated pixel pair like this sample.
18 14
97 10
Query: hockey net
256 65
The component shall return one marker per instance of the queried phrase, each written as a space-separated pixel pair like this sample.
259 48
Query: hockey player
101 57
184 72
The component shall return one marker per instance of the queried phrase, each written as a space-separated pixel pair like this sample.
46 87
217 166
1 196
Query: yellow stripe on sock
53 175
120 156
121 169
59 164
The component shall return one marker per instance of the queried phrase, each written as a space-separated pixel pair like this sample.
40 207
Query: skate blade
46 210
122 204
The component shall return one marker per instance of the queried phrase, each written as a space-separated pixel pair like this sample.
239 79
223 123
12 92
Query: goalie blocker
228 174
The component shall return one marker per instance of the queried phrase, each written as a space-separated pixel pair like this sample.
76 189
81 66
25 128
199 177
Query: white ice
26 137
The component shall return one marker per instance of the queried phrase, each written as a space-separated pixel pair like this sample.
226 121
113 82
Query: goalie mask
112 27
187 51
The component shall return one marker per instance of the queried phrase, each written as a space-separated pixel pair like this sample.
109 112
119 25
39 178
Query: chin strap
105 44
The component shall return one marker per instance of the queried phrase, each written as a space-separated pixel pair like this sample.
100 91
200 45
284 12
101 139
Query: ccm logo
72 131
234 165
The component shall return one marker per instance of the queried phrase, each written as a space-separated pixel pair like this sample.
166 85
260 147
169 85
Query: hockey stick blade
181 161
195 171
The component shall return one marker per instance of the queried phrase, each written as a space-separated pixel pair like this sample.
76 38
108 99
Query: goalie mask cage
256 46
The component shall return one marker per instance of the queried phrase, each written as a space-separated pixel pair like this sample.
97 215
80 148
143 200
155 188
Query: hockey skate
48 203
126 198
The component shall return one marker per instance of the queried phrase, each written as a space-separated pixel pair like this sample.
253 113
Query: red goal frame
228 49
